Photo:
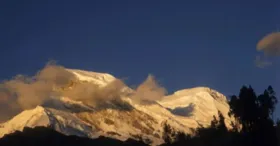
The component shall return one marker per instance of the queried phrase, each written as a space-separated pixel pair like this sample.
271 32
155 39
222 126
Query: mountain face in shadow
47 137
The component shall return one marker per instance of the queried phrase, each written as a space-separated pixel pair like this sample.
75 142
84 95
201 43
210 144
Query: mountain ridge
123 118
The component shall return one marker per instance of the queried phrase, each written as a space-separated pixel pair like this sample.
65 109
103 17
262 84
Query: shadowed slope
47 137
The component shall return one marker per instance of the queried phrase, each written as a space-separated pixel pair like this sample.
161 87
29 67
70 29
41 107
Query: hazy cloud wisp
149 90
261 63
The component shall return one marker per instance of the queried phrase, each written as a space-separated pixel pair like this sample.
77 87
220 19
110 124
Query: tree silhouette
245 108
255 113
168 134
267 102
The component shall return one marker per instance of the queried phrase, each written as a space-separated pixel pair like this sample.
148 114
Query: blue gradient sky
183 43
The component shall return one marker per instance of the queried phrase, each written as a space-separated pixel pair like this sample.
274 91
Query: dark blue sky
183 43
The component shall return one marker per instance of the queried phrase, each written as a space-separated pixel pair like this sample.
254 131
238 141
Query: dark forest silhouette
255 126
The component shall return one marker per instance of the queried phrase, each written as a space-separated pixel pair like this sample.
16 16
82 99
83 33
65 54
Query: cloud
149 90
23 92
270 44
93 95
261 63
33 91
8 104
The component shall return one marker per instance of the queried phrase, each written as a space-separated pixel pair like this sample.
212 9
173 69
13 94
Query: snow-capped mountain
125 118
199 103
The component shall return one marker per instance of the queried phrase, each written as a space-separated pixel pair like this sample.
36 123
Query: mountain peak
28 118
200 90
193 90
101 79
199 103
